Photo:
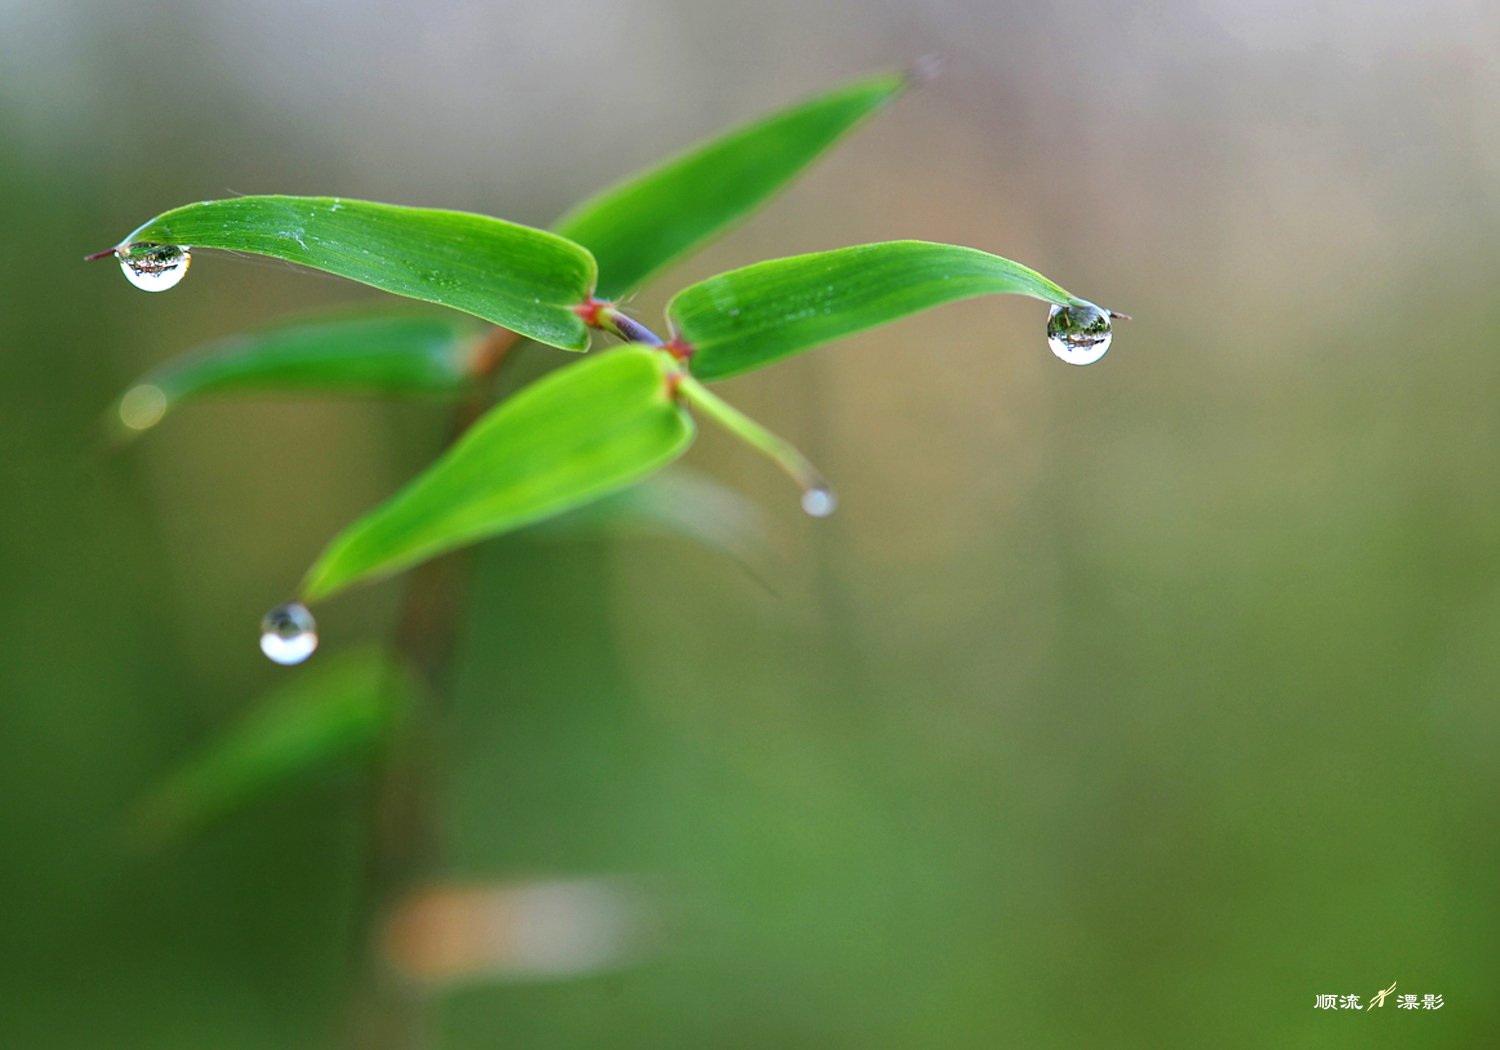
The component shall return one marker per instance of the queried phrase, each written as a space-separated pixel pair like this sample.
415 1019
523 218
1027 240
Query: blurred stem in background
386 1012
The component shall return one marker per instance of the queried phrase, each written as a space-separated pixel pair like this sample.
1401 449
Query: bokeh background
1127 706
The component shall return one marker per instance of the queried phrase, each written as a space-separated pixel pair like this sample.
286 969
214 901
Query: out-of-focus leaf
336 710
391 355
679 502
743 319
573 436
651 219
525 279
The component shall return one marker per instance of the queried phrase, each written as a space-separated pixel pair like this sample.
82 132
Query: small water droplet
288 634
819 501
143 406
1078 333
153 267
925 69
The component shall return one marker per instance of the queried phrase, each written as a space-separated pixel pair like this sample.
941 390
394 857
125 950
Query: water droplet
143 406
1078 333
819 501
288 634
925 69
153 267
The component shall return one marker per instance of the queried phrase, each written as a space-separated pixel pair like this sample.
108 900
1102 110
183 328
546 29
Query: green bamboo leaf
524 279
677 502
338 711
398 355
649 220
743 319
573 436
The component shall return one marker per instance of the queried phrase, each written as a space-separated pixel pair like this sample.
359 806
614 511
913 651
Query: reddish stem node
590 309
101 255
680 348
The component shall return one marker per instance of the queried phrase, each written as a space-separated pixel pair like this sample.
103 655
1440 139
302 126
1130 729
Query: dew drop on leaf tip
1078 333
819 501
153 267
288 634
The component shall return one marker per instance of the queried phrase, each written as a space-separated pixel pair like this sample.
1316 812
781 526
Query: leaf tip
316 585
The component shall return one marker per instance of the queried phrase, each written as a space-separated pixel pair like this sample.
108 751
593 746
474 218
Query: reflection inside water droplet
153 267
819 501
288 634
143 406
1078 333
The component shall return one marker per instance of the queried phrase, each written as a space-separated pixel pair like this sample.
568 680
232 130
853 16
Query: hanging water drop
1078 333
819 501
153 267
288 634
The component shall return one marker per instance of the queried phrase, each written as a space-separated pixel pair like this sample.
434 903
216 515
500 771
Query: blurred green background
1128 706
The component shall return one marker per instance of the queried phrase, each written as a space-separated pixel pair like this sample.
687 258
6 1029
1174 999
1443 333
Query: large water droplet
819 501
153 267
288 634
1079 333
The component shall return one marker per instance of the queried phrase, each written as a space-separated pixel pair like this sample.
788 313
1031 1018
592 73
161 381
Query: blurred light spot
516 931
143 406
819 501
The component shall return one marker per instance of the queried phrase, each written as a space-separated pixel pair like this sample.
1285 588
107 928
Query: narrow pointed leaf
575 435
525 279
743 319
677 502
393 355
649 220
333 712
